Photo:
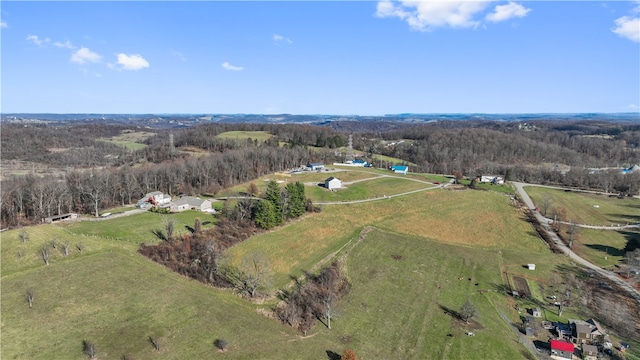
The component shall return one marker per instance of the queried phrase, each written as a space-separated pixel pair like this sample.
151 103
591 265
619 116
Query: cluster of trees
199 255
314 298
280 205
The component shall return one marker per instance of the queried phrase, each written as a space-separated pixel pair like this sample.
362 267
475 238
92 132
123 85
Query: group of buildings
579 339
160 200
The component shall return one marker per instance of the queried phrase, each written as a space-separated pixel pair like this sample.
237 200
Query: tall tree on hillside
272 194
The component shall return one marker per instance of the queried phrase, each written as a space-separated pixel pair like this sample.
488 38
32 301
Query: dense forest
95 174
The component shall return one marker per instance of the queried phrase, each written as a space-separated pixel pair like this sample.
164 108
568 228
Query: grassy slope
398 302
601 247
137 228
119 308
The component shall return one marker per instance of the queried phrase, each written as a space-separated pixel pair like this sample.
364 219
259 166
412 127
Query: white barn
333 183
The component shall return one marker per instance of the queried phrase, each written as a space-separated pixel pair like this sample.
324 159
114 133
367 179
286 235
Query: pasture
468 218
365 189
137 228
132 140
587 208
408 275
243 135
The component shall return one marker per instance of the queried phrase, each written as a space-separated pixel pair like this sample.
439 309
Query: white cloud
230 67
36 40
628 27
426 15
278 38
3 24
508 11
132 62
634 106
84 55
66 45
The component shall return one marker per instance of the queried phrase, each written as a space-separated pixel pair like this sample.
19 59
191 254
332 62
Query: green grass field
416 263
586 208
366 189
243 135
137 228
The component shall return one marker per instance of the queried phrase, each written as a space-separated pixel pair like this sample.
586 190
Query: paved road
554 237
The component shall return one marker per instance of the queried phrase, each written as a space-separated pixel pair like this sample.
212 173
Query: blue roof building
400 169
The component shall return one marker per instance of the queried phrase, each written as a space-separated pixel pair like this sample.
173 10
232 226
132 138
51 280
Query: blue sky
324 57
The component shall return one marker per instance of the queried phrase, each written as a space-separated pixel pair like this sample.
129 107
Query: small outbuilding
400 169
531 266
333 183
315 166
535 312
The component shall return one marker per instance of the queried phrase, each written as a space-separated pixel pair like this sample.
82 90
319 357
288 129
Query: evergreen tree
265 215
272 195
296 198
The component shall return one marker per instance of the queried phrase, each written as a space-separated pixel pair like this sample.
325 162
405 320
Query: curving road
554 237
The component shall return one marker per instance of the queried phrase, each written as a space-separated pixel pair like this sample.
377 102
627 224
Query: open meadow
424 254
243 135
603 247
587 208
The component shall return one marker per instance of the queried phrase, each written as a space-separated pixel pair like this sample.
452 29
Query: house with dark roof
333 183
315 166
561 349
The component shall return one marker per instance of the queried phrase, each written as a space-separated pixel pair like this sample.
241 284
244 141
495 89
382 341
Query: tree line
28 199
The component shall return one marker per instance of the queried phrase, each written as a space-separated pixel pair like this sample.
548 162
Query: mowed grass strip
586 208
243 135
401 286
137 228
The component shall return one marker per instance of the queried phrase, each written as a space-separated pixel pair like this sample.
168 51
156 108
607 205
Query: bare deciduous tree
45 254
65 248
30 297
467 311
253 274
169 226
89 349
24 237
155 343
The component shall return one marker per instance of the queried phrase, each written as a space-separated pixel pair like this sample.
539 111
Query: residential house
191 202
400 169
589 352
587 332
315 166
156 198
333 183
561 349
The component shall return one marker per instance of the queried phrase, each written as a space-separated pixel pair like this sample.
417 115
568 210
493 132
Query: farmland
243 135
424 255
